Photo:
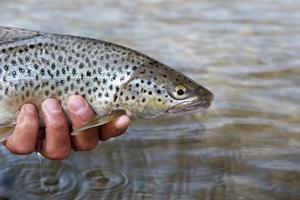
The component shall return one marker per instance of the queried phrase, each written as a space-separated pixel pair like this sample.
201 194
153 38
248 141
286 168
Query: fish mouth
191 105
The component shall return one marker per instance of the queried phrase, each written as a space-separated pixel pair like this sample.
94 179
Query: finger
114 128
23 140
56 145
80 113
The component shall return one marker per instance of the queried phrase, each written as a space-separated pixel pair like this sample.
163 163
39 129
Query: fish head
160 90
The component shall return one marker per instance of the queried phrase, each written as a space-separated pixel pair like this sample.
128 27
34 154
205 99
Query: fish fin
5 131
8 34
99 120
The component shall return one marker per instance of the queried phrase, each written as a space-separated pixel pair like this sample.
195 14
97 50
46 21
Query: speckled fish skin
36 65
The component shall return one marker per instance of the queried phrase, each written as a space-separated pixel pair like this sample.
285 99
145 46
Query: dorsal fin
15 34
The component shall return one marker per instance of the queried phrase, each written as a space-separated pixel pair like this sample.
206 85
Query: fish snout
205 96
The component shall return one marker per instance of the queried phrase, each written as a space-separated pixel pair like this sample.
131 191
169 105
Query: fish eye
179 92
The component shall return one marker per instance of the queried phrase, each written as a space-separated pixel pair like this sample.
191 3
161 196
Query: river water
245 146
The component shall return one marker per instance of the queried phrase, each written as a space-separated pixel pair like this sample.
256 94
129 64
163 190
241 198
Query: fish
114 80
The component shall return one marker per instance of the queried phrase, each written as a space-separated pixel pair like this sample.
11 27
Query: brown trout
114 80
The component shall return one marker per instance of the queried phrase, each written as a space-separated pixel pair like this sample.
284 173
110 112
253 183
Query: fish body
112 78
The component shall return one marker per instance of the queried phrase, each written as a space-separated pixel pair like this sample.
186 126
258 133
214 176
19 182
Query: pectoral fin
99 120
5 131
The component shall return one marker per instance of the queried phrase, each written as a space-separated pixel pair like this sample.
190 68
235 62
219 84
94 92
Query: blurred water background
246 146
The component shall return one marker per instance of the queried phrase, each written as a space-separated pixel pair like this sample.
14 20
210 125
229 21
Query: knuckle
23 149
86 146
56 154
58 124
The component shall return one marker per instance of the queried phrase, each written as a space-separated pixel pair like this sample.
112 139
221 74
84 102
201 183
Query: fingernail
52 107
122 123
28 108
78 105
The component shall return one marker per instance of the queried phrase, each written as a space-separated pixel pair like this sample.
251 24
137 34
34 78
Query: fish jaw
196 103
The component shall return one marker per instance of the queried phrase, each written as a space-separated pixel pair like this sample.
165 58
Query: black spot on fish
53 66
106 94
14 62
88 73
149 93
143 100
81 65
60 58
46 92
14 73
5 67
37 87
21 61
21 70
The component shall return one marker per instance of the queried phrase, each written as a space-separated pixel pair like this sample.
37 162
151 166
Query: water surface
246 146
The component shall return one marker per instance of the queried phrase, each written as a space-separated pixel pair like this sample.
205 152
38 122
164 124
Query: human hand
55 142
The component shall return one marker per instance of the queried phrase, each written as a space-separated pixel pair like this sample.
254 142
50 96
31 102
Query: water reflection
246 146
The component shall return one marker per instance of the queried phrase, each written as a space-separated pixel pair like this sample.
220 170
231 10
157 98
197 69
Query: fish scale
35 66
